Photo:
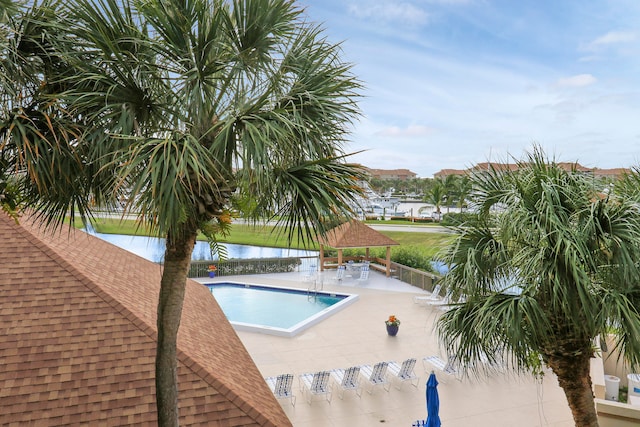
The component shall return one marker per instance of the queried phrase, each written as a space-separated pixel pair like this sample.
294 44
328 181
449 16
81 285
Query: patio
357 336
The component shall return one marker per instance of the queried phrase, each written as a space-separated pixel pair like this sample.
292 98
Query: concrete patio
357 336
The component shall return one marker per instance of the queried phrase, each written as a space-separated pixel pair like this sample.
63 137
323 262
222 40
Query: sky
451 83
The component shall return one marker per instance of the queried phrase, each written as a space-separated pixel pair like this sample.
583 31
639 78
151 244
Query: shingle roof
78 340
355 234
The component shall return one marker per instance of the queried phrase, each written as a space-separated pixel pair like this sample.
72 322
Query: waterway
152 248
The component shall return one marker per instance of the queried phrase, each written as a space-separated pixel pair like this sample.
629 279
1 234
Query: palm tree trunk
177 259
575 379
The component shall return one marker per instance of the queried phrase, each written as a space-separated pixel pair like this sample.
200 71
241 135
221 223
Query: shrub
412 256
421 219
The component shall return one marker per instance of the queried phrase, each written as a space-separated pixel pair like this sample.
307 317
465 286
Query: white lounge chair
404 372
316 383
447 306
311 273
281 387
448 367
433 296
445 300
347 379
340 273
376 375
364 273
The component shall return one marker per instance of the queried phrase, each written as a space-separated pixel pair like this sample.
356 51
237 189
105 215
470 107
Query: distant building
485 166
392 174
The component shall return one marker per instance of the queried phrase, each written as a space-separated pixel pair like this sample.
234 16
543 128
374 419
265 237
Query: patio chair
404 372
376 375
436 362
364 273
445 300
316 383
433 296
281 387
340 271
447 306
310 274
348 379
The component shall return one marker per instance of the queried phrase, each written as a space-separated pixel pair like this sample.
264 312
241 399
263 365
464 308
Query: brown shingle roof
78 340
355 234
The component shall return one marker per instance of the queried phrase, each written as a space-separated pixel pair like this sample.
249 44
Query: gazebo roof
355 234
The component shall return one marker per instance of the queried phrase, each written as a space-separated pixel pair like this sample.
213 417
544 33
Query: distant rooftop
390 174
485 166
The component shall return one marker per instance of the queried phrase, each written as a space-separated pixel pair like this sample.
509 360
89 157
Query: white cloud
579 80
390 11
612 38
412 131
616 37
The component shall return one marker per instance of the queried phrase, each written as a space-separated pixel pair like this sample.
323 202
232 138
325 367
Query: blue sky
450 83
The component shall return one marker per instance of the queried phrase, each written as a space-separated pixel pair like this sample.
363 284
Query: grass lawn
427 243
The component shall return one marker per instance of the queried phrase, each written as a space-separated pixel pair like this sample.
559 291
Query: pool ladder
315 285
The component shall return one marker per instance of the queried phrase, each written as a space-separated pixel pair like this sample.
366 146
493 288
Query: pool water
275 310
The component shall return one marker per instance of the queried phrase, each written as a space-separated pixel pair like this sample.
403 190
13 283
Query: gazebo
355 234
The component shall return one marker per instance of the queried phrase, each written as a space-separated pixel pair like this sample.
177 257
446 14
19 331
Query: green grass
427 243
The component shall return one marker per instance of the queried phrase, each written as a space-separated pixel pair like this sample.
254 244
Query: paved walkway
357 336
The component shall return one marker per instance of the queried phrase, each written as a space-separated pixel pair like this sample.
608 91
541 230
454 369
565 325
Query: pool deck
357 336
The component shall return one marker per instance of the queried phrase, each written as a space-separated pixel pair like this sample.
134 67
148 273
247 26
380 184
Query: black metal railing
238 267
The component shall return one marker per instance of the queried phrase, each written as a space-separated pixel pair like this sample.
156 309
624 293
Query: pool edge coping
298 327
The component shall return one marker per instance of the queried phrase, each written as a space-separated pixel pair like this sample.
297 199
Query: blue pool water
275 310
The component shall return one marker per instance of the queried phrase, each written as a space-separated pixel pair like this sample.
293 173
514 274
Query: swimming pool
276 310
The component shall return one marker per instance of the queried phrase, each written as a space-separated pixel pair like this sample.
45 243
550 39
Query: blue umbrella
433 402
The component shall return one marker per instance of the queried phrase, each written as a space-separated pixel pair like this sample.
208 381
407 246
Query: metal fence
238 267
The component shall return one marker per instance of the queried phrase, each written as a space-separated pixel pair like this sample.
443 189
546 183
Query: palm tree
552 268
185 108
436 196
449 187
33 126
463 189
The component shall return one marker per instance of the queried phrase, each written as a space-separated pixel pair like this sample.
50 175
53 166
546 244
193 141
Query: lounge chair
281 387
364 273
433 296
404 372
310 274
348 379
436 362
449 305
316 383
445 300
376 375
340 273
